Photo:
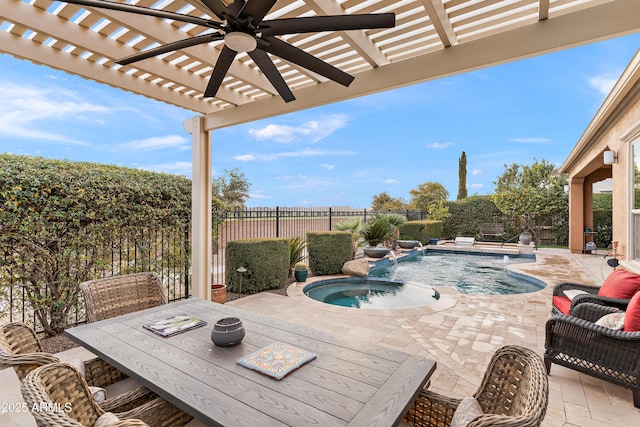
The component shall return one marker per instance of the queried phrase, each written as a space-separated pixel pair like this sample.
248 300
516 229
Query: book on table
174 325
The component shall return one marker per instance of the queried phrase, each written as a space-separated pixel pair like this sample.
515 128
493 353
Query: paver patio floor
461 332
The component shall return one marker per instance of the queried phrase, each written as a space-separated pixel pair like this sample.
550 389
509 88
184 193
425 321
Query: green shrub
421 231
468 214
266 261
300 266
328 251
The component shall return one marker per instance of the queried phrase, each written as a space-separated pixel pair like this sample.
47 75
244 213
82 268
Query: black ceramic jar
227 332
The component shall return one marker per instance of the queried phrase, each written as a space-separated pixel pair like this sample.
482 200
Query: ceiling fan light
240 42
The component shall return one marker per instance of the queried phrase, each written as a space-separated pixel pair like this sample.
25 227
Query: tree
462 176
438 211
426 193
232 188
384 202
531 193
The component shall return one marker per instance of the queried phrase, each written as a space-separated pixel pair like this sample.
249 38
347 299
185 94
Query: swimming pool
469 274
371 293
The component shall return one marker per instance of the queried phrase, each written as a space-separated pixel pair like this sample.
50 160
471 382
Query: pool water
371 293
469 274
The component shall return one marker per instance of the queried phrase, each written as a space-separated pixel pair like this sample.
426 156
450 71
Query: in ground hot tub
366 292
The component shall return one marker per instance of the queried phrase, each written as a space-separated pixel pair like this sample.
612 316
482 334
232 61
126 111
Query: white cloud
391 181
476 172
531 140
155 143
178 167
327 166
313 130
258 195
24 109
477 186
440 145
604 82
307 152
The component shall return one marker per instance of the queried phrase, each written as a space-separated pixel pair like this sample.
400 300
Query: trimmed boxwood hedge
328 251
266 261
421 231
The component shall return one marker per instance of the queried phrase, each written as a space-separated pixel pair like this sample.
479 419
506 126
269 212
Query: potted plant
300 272
375 233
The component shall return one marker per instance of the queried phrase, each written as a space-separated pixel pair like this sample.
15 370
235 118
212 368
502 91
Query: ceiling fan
244 30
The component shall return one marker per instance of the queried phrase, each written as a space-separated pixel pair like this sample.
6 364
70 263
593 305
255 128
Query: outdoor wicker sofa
562 306
117 295
514 392
578 343
60 385
616 291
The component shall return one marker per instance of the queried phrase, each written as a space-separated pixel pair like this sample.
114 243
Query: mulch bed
60 342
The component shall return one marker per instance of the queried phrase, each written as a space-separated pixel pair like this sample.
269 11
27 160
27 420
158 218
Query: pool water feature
469 274
371 293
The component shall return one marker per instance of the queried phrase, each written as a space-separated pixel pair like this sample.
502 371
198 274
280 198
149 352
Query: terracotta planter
218 293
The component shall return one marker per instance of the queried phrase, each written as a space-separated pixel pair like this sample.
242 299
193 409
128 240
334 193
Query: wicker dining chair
124 294
514 393
63 394
21 349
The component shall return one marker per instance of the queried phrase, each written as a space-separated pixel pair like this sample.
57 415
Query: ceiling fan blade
217 7
269 69
300 57
170 47
315 24
219 71
123 7
256 9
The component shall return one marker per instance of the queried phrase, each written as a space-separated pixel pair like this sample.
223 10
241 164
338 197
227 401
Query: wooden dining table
349 383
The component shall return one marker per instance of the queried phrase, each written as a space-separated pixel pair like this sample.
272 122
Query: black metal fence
166 250
284 222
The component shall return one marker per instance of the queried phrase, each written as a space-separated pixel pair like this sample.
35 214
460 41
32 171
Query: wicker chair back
118 295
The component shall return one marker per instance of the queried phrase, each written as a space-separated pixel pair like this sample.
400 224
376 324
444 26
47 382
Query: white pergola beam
40 54
358 40
440 20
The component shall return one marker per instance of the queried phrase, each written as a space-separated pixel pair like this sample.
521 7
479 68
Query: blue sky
336 155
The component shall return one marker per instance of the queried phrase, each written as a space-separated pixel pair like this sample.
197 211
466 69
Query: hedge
328 251
266 261
421 231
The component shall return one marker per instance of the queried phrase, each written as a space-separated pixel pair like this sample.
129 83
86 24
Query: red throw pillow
632 316
620 284
562 303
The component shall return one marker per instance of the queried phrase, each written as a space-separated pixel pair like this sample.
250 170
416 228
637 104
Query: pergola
431 39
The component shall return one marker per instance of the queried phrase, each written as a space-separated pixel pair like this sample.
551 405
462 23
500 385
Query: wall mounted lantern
610 157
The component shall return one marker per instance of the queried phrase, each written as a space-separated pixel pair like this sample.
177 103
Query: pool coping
448 296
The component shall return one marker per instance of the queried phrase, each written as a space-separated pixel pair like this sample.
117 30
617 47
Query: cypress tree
462 176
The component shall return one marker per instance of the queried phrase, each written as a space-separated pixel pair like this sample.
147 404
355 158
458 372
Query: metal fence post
329 219
277 221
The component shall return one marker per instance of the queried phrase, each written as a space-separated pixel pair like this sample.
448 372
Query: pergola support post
201 199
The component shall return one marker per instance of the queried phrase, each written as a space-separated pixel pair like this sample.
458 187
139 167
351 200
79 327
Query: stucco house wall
616 126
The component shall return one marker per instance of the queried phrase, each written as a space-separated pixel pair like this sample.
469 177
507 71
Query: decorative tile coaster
276 360
174 325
